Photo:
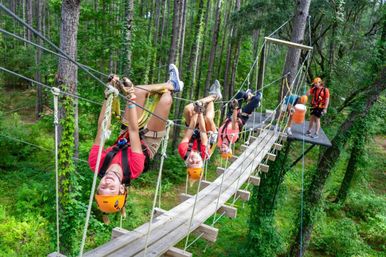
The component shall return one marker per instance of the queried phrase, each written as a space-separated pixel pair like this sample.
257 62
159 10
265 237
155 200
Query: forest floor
356 228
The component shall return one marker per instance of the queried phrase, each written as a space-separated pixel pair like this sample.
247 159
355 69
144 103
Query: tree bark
67 80
175 32
212 55
313 194
293 54
126 66
29 17
208 10
39 92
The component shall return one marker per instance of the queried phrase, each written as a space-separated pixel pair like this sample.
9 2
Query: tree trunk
175 32
39 92
126 66
67 80
293 54
263 239
212 55
313 194
197 96
182 35
29 17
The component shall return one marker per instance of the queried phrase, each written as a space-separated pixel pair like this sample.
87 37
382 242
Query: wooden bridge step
263 167
254 180
176 252
277 146
243 195
229 211
271 156
208 232
220 171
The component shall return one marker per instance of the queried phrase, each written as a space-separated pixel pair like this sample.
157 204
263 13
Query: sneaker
308 133
215 89
174 77
213 138
289 132
315 136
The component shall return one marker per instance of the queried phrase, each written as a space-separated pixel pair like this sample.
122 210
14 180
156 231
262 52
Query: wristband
131 106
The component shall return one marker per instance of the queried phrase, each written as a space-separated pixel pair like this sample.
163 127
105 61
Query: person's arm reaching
202 128
189 131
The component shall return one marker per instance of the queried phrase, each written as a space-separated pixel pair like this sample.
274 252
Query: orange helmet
110 203
303 99
194 173
316 80
226 155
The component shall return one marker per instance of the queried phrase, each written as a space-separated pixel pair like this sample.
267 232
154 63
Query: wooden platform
298 133
172 226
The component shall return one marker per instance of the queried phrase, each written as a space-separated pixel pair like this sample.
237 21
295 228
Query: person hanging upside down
199 117
237 116
319 104
137 143
288 105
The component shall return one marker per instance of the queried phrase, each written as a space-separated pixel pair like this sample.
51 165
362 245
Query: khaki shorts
153 140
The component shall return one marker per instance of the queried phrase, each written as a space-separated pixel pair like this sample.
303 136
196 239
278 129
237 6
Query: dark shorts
318 112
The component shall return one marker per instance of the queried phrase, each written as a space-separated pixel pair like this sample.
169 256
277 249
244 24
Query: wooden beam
243 195
176 252
271 156
243 147
263 167
233 158
208 233
117 232
184 197
204 183
277 146
288 43
228 211
252 139
254 180
56 254
220 171
158 212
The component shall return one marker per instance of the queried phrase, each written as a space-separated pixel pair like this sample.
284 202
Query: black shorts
318 112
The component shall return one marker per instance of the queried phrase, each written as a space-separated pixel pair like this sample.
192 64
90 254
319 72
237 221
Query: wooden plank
243 195
243 147
263 167
283 137
271 156
252 139
229 211
117 232
288 43
220 171
233 158
277 146
254 180
204 184
176 252
56 254
208 232
158 212
184 197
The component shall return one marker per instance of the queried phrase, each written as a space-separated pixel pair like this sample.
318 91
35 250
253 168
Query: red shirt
227 135
319 96
183 149
136 160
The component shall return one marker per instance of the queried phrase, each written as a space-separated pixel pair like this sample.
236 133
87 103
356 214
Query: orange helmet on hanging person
111 203
194 173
